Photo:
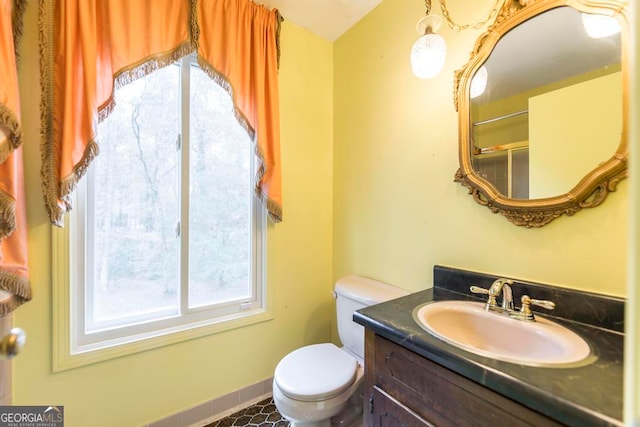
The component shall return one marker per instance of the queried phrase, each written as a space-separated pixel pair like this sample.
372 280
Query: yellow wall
398 211
582 122
505 131
138 389
516 129
369 153
632 311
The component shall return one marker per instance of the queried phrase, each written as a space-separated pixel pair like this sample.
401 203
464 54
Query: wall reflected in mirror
551 110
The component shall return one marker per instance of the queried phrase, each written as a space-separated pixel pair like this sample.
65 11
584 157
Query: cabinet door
388 412
428 391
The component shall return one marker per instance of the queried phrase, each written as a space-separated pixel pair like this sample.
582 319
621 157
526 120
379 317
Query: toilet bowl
320 385
314 383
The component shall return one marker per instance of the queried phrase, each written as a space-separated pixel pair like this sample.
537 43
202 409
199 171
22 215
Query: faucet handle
549 305
492 297
527 302
479 290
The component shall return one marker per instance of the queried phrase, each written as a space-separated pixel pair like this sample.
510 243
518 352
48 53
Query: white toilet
321 385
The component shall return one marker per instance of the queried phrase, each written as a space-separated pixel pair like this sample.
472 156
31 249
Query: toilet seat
315 373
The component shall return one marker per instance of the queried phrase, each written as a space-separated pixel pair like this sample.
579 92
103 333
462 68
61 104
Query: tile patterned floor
262 414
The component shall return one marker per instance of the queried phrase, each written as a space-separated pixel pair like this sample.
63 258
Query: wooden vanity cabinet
402 388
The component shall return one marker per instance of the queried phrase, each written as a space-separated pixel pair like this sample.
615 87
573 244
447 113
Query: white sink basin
469 326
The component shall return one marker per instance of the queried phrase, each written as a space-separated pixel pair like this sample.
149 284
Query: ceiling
557 47
332 18
326 18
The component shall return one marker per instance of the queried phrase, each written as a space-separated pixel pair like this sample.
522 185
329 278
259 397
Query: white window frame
73 347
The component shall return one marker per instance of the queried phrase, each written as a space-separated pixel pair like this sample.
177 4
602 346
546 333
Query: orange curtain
90 47
14 272
238 47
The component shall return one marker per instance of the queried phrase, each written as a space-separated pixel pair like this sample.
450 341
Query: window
166 235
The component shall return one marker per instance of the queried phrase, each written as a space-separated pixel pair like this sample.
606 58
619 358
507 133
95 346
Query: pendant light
430 50
478 82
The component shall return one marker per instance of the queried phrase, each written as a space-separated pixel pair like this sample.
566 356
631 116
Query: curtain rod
506 116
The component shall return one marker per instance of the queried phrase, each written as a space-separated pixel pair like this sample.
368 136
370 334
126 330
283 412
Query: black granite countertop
582 396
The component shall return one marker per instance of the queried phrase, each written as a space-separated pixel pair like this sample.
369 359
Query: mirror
542 109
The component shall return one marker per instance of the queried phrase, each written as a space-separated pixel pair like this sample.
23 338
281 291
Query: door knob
12 343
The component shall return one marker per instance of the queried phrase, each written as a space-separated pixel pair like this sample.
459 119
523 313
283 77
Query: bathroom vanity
413 378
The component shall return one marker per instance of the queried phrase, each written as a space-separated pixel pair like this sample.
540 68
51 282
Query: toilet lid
315 372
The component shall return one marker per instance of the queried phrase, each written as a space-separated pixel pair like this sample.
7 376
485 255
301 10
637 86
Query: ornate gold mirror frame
595 186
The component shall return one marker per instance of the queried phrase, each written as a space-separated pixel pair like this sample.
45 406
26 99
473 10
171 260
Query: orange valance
14 272
238 47
91 47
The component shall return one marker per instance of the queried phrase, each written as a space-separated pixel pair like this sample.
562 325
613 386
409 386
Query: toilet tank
353 293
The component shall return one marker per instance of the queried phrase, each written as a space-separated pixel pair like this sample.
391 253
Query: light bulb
478 83
430 50
599 26
427 55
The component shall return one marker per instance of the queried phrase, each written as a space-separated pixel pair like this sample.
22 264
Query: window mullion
87 237
80 259
258 214
185 72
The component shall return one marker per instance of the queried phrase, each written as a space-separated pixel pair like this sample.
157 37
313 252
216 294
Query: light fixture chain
427 5
457 27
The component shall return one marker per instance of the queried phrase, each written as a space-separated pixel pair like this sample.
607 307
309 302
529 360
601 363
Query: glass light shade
600 26
427 55
479 82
